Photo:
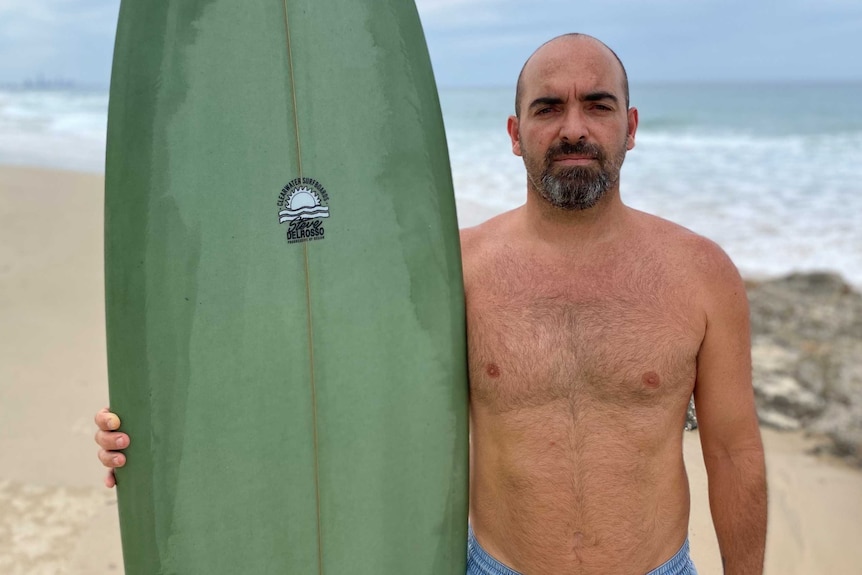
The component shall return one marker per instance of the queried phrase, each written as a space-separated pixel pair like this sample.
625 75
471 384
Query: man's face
574 128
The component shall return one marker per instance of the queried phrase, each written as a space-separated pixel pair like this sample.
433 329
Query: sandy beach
57 518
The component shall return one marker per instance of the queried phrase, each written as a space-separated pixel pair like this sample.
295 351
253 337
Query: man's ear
514 135
633 128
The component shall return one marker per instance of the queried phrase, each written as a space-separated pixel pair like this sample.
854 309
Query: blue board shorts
480 563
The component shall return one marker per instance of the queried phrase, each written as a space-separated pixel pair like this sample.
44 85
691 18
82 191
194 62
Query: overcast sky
484 42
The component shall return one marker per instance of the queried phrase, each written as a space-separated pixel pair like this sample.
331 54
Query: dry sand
55 516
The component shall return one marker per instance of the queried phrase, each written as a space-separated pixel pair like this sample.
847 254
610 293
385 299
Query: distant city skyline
484 42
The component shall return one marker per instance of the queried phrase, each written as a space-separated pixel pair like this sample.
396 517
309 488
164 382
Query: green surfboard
285 316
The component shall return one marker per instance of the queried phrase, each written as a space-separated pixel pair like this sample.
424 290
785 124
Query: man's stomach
552 493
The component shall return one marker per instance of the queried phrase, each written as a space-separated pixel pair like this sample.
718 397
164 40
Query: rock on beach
806 350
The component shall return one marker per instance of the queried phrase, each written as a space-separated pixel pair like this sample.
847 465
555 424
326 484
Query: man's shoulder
682 242
694 256
483 246
488 235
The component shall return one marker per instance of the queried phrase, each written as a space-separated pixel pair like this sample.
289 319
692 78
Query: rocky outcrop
807 355
807 359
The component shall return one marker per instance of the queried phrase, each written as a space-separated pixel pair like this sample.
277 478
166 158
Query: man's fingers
111 458
109 441
107 421
112 440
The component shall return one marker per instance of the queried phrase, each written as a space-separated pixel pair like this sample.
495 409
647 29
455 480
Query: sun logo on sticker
303 204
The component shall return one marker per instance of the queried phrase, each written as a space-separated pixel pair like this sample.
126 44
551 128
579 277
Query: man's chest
627 343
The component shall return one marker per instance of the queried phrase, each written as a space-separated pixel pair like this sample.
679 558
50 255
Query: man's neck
574 231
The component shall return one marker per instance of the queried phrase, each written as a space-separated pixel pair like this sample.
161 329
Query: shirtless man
590 324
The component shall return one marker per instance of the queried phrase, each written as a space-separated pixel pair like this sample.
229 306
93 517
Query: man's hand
110 441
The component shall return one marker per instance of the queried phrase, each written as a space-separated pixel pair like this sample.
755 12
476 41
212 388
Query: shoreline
55 516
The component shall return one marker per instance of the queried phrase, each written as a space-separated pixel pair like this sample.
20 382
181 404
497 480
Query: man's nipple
493 370
651 380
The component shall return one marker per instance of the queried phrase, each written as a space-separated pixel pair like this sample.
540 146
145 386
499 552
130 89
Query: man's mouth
569 160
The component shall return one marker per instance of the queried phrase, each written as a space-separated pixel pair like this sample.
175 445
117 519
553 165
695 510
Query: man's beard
578 187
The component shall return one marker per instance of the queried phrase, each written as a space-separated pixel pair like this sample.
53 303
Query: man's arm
727 421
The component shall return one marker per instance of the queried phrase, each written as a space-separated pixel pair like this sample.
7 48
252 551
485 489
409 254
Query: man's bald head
520 87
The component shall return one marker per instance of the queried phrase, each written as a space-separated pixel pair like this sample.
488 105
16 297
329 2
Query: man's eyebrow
599 96
590 97
546 101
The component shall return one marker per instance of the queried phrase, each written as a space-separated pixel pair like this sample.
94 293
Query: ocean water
54 128
773 173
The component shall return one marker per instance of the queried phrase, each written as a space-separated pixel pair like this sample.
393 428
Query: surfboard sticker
303 204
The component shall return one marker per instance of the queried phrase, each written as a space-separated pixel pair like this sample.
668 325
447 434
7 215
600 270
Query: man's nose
574 126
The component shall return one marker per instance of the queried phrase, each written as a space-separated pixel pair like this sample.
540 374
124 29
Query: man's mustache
580 148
